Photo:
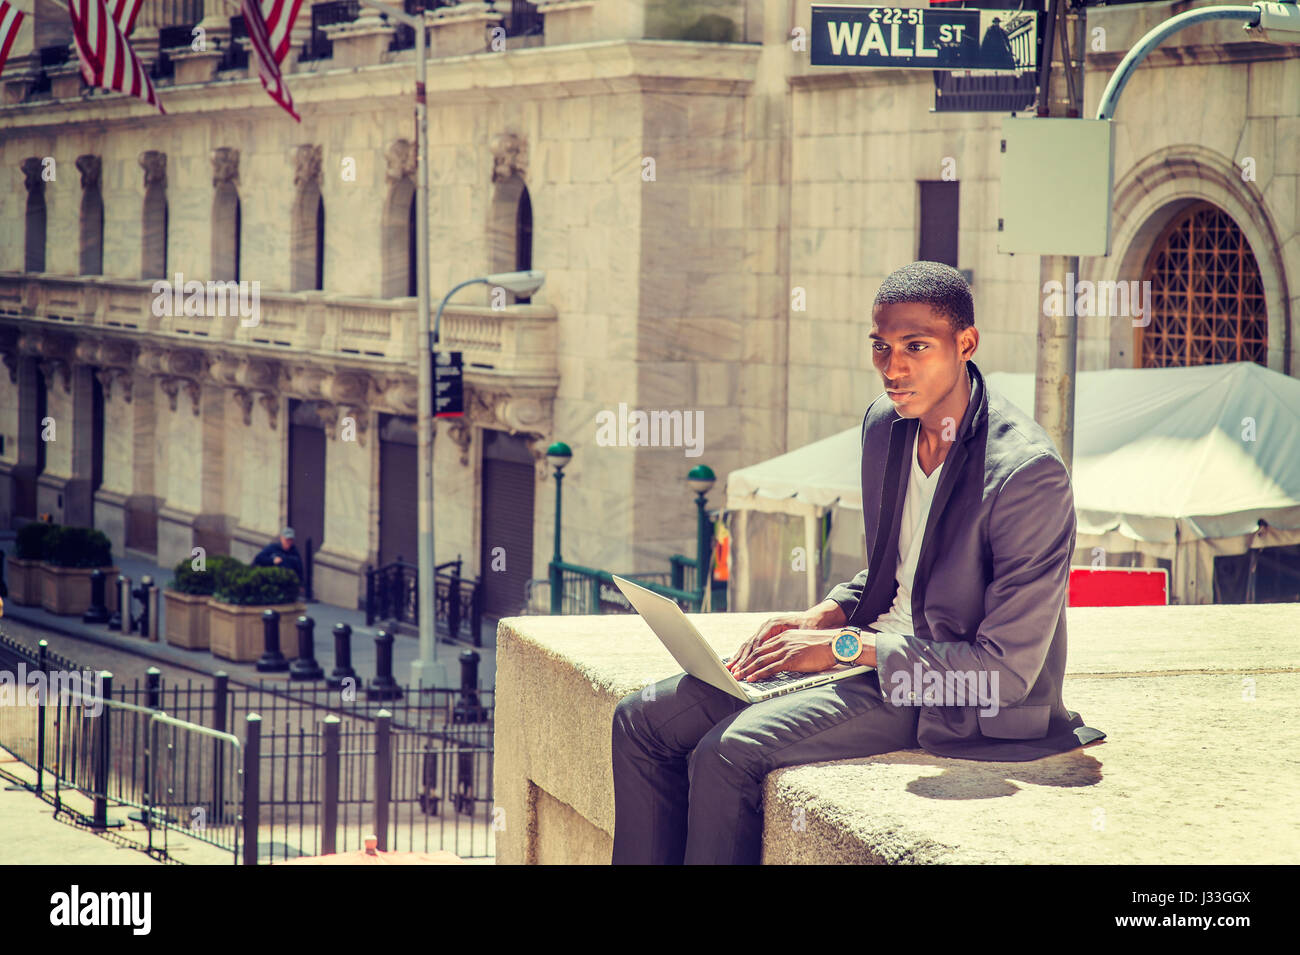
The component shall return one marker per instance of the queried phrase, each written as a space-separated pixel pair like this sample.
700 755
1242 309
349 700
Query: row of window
512 215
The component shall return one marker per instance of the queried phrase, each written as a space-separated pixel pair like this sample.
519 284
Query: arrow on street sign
927 39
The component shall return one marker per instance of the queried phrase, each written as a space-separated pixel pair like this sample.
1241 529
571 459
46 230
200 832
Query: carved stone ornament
108 377
271 402
154 165
90 167
401 160
537 445
225 165
244 398
171 387
32 168
306 166
329 418
361 422
53 368
509 157
461 433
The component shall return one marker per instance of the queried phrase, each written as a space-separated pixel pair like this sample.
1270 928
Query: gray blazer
991 580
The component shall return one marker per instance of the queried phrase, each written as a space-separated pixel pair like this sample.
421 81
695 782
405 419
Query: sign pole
1058 334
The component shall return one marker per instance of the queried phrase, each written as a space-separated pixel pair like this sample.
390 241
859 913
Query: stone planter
66 590
235 633
186 619
24 579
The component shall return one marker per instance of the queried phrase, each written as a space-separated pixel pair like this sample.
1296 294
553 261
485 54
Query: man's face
919 359
286 543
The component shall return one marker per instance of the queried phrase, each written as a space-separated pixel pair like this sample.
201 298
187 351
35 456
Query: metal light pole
701 479
557 456
426 669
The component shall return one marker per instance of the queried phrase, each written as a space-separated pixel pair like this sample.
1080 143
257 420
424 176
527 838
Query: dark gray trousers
689 764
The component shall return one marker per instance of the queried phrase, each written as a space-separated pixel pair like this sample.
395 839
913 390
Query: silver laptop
701 661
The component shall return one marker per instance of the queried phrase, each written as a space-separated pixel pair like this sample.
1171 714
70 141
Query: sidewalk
405 648
32 836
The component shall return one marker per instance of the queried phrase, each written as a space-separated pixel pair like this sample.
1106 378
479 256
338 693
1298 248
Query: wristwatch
847 644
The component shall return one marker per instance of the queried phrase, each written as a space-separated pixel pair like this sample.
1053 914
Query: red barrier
1118 586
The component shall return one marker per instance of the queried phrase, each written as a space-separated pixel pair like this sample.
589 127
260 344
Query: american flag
269 24
11 18
100 29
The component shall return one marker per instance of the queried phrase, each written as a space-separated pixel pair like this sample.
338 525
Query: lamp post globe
558 455
701 479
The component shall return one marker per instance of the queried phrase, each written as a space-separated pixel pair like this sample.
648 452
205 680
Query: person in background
281 553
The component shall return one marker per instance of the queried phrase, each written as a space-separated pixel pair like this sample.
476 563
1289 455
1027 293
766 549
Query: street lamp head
520 283
558 454
701 478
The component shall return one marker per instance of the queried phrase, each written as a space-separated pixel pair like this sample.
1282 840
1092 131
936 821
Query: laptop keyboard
772 682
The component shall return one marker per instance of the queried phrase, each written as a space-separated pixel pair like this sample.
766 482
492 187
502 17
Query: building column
351 507
63 489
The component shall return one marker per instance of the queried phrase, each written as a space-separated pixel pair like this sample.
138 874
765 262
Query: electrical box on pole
1057 176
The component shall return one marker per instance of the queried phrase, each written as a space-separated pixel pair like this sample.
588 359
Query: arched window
92 230
225 233
510 230
398 253
308 243
524 237
153 256
1207 298
34 237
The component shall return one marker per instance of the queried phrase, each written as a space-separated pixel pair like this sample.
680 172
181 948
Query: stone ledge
1165 683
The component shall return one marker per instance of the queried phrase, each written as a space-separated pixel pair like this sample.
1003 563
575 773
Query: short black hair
931 283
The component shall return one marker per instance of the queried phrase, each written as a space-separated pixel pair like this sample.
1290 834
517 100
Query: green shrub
79 547
257 586
187 580
32 540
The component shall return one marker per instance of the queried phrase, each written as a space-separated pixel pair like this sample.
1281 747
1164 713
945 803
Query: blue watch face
846 645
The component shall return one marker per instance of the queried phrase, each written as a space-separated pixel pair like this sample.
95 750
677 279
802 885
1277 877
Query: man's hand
800 651
770 629
275 560
826 614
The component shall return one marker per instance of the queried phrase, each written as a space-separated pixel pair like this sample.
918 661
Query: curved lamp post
557 456
425 668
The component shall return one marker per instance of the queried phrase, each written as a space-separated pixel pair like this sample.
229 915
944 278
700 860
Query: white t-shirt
916 510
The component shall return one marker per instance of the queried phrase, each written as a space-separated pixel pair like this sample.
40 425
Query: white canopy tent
1172 467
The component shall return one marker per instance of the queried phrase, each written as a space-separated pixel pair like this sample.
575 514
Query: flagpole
425 669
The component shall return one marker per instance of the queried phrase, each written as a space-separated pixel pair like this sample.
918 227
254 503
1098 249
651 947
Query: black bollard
306 667
272 660
153 688
468 709
383 686
121 618
98 610
342 658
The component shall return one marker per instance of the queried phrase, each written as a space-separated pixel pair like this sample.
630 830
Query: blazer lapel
953 465
884 552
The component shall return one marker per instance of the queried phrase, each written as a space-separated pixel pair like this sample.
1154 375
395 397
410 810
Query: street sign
924 38
1003 93
448 385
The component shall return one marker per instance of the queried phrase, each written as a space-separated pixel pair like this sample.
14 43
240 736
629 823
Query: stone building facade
713 216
